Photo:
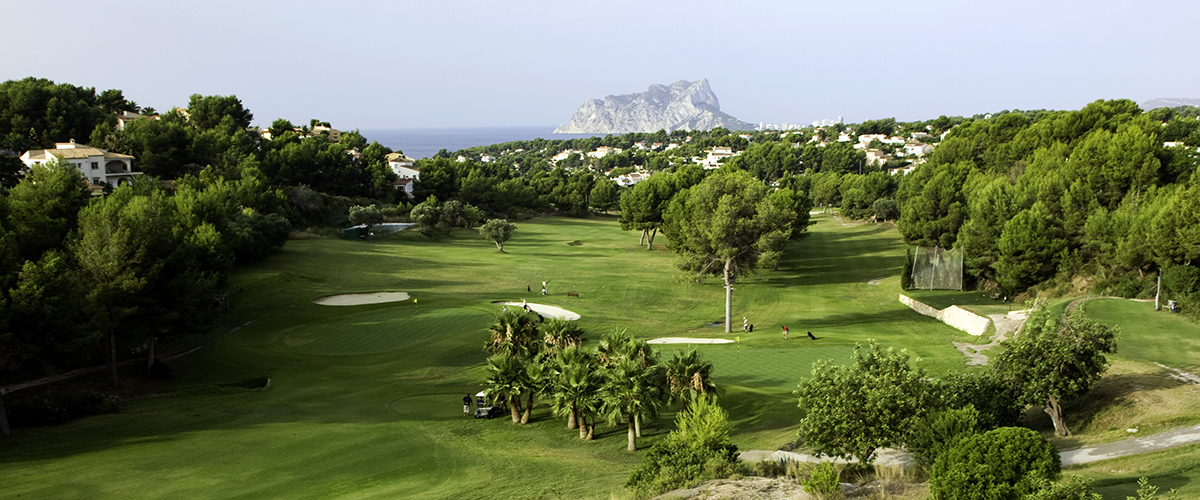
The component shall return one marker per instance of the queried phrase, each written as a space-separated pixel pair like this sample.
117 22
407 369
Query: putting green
384 330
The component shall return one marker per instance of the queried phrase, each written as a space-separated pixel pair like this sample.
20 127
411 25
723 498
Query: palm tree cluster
622 381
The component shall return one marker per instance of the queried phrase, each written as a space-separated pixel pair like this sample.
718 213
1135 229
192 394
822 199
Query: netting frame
935 268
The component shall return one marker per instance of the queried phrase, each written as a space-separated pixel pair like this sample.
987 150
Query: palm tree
632 391
513 333
689 377
575 379
508 378
559 334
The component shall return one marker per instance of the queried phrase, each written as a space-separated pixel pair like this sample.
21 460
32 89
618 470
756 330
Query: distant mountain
682 105
1168 102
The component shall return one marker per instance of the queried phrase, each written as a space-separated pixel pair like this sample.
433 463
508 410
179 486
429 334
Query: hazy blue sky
406 64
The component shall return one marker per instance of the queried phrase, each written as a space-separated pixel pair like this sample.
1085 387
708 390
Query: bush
824 481
698 450
1001 464
938 432
55 406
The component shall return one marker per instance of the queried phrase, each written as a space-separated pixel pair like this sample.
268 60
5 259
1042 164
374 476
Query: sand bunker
686 340
358 299
545 310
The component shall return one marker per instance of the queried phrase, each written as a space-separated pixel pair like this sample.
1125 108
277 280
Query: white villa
603 151
97 165
404 168
715 155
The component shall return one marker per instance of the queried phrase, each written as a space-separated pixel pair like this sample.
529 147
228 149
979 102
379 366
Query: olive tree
1056 359
498 231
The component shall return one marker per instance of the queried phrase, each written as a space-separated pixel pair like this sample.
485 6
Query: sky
475 63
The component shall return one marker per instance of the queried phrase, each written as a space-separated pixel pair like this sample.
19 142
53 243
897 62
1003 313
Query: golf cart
488 412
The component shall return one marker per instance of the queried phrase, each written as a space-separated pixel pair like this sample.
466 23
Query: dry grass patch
1132 395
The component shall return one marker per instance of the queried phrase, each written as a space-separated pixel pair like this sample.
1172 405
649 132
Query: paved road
1157 442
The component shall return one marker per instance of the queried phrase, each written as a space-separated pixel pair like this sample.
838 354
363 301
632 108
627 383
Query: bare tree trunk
728 297
591 433
637 425
632 435
650 243
642 240
149 353
112 358
528 410
583 433
516 411
571 417
3 417
1052 408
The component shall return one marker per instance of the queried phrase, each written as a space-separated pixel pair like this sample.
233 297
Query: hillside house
97 165
403 166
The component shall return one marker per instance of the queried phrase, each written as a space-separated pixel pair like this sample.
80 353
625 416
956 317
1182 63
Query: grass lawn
365 401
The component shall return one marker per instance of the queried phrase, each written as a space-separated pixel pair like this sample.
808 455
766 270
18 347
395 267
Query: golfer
466 405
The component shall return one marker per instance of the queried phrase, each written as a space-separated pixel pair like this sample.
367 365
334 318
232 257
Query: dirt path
1005 324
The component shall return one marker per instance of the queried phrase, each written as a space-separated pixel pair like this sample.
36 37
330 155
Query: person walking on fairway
745 324
785 332
527 289
543 288
466 405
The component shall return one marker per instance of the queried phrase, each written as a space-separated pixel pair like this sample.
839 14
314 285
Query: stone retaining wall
954 316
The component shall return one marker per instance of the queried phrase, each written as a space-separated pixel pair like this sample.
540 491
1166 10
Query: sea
425 142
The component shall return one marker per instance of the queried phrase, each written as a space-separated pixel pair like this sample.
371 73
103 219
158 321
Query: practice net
937 269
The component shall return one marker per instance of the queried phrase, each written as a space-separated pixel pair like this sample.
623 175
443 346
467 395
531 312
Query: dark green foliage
936 433
885 209
995 400
32 407
1001 464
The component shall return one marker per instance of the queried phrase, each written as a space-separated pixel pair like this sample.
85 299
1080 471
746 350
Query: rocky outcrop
682 105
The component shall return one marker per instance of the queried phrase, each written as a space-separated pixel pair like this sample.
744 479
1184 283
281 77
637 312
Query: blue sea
426 142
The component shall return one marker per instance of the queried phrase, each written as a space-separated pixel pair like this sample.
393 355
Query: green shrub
55 406
938 432
698 450
1001 464
823 482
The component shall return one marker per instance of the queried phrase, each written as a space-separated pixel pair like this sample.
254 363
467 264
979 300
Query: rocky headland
680 105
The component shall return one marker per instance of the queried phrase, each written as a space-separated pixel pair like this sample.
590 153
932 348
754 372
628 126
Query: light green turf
1149 335
365 400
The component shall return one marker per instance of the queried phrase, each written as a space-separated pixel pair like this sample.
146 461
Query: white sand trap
358 299
687 340
545 310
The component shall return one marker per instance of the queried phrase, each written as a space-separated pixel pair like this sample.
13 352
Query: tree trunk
591 429
149 353
571 417
112 358
3 417
528 410
500 246
632 435
637 425
1052 408
650 243
516 412
642 240
728 297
